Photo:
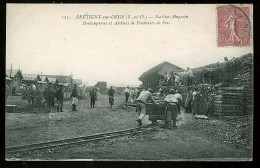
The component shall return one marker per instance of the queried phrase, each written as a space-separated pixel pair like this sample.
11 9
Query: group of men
172 101
50 93
131 93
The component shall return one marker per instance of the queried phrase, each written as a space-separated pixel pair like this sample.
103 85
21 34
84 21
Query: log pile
229 102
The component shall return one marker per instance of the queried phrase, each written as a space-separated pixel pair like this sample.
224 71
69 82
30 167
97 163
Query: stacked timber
246 80
229 101
246 73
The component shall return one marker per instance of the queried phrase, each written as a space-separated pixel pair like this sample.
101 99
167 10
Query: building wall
152 82
167 68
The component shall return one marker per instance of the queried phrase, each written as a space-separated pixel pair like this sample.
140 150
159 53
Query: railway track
77 140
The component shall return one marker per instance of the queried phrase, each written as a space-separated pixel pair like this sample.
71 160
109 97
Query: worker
127 93
161 95
179 100
93 97
132 95
188 107
196 101
60 96
171 110
138 91
74 95
111 94
177 80
30 94
48 97
142 100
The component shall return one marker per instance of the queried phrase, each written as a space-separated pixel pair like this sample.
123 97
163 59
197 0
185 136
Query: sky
40 41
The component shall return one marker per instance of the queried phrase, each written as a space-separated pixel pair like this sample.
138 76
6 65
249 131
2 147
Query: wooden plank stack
228 101
246 79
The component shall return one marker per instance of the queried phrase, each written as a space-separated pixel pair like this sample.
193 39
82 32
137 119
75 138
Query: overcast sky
38 40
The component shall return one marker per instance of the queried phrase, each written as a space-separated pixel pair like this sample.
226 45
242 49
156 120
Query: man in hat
93 97
60 96
74 95
111 95
171 110
127 93
188 107
142 100
138 91
49 97
179 100
31 94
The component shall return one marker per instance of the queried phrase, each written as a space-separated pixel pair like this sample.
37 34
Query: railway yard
102 134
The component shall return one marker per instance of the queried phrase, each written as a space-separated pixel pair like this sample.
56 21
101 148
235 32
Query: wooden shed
151 77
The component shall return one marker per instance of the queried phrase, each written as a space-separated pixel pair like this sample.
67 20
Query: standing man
188 107
132 95
127 93
142 100
177 80
171 110
47 93
111 94
30 94
93 97
196 101
179 100
52 97
60 96
74 95
170 79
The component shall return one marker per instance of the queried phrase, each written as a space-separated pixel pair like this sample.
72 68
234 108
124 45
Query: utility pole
11 71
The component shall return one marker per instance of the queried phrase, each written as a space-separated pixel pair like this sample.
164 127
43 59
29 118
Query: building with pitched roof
16 76
151 77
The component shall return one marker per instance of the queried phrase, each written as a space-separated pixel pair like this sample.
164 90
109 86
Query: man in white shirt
127 93
179 99
177 80
171 110
142 100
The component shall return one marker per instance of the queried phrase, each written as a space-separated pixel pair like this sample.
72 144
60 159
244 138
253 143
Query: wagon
156 112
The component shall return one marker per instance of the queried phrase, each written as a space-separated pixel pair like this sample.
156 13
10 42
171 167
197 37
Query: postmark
233 26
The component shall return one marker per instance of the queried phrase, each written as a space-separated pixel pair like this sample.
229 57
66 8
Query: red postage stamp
233 26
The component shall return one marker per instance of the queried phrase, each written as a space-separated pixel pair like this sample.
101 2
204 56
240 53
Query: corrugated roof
157 68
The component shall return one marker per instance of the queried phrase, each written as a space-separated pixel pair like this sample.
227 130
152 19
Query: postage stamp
233 26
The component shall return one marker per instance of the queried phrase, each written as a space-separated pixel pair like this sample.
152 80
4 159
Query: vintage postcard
166 82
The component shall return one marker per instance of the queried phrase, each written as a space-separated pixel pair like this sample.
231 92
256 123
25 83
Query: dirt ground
187 142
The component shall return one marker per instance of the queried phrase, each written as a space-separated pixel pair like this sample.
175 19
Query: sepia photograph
129 82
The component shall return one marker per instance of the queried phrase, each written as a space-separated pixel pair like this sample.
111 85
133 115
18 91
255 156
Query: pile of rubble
233 130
